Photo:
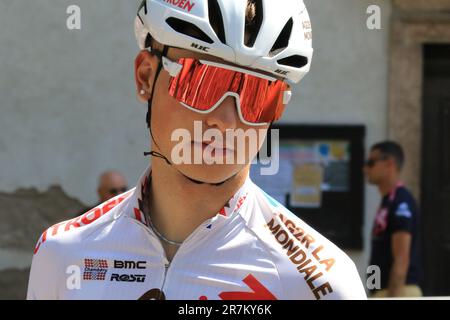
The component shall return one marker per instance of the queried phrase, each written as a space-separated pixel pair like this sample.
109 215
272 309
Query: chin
210 173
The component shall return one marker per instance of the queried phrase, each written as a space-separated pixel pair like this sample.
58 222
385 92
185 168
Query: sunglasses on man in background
117 191
372 162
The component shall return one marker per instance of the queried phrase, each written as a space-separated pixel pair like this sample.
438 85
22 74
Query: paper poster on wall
337 166
307 186
322 165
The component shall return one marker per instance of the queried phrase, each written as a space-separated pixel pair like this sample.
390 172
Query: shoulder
405 204
76 229
57 243
309 265
403 194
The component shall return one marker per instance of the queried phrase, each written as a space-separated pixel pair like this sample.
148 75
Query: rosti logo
183 4
301 258
81 221
128 277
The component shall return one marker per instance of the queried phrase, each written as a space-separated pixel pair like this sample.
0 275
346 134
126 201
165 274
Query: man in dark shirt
395 240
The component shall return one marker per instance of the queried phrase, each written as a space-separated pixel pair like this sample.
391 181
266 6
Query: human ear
145 66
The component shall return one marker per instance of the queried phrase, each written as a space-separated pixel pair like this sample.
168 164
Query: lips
214 145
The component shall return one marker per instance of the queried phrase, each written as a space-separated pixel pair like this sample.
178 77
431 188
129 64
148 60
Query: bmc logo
129 264
199 47
128 277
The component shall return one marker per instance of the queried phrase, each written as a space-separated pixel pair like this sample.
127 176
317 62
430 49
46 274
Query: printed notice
307 186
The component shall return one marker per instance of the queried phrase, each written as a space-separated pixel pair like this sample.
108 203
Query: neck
388 185
179 206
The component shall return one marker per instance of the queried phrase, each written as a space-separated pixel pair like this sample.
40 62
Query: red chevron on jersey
259 291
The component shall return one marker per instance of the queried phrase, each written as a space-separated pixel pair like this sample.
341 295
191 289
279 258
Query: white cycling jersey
254 248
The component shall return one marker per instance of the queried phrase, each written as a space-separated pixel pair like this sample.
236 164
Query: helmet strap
149 119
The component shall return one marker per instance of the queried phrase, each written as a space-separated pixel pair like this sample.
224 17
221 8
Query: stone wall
414 23
25 214
14 284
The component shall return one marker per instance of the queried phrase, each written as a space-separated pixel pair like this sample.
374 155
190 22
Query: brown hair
250 14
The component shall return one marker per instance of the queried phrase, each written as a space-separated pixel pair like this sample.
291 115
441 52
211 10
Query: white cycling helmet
280 43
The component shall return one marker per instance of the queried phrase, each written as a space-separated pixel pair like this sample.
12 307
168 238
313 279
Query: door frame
413 25
436 281
409 32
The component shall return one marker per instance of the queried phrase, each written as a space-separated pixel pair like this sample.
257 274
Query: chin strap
150 101
159 155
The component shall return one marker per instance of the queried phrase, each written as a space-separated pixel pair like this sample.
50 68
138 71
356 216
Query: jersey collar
138 208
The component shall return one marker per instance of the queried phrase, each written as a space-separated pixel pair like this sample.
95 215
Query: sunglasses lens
265 106
202 86
370 163
116 191
197 84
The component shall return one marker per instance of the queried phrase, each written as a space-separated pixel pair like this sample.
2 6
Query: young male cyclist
202 230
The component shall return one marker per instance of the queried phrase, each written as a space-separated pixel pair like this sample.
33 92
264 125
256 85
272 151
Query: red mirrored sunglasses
202 86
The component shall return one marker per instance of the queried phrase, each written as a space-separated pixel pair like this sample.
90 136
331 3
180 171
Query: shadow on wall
24 215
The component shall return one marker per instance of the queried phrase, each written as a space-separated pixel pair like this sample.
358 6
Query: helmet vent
148 41
216 20
283 39
253 20
294 61
188 29
143 5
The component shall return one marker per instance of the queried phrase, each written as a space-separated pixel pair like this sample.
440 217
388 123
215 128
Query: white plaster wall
68 106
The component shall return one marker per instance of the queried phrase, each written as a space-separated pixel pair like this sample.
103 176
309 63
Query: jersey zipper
166 269
167 263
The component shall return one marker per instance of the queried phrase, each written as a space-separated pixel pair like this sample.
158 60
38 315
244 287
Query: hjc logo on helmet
199 47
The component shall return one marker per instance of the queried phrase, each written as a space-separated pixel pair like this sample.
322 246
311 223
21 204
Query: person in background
395 240
110 184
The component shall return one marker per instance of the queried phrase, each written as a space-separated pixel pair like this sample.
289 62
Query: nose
225 116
